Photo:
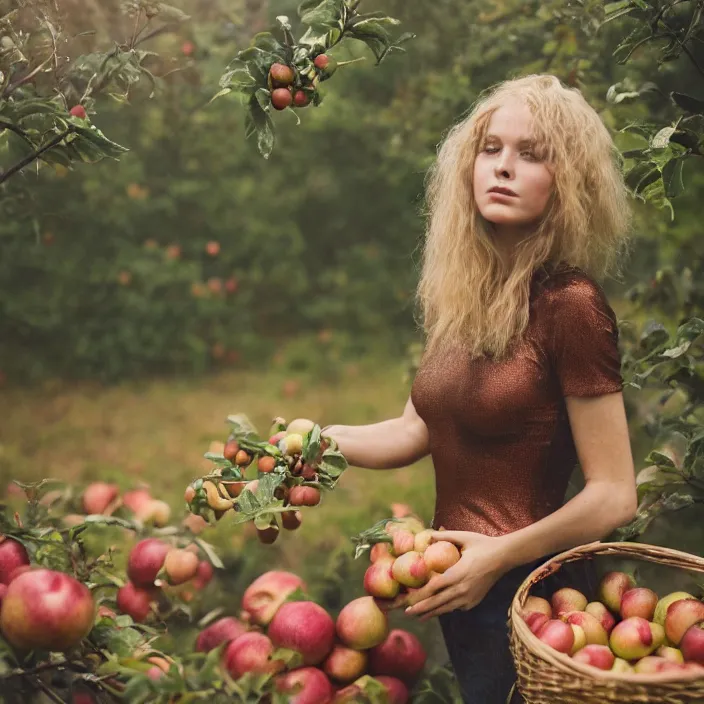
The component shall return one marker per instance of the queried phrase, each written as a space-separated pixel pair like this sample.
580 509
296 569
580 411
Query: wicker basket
548 677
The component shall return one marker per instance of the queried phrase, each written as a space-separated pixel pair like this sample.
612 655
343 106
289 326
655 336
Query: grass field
157 432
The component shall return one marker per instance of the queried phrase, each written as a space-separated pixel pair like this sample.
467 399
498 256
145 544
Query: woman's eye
490 150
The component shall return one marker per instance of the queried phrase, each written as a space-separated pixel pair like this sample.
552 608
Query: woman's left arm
608 500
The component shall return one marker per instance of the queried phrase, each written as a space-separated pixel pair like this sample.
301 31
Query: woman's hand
466 583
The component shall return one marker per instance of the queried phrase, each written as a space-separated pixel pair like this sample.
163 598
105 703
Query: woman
520 377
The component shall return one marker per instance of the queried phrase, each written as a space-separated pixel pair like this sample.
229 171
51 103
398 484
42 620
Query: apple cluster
404 560
285 458
313 657
40 609
289 88
626 629
103 498
153 566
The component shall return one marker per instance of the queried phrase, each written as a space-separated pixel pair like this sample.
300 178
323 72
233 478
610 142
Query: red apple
180 566
251 652
305 627
639 601
98 496
378 580
401 655
145 560
46 610
79 111
379 550
680 616
558 635
665 603
593 630
567 599
580 638
12 556
345 664
403 542
440 556
281 98
612 588
135 601
362 624
622 666
601 614
652 664
396 690
692 643
220 631
669 653
535 620
410 569
266 593
632 639
304 496
307 685
82 696
213 248
137 500
204 575
537 604
423 540
595 655
156 512
281 74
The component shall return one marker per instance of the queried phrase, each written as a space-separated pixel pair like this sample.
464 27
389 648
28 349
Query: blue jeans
477 640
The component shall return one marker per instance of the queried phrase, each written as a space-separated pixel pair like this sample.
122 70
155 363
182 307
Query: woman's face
507 159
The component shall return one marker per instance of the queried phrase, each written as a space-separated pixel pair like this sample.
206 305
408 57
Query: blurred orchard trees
192 251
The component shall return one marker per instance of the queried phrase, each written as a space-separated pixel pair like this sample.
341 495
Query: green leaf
208 549
672 177
662 138
268 42
660 459
96 137
169 12
238 79
654 334
614 10
311 445
241 425
613 95
376 534
327 13
691 329
688 103
654 477
259 122
333 462
220 94
263 97
641 176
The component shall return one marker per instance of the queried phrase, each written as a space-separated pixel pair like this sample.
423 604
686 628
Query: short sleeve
584 340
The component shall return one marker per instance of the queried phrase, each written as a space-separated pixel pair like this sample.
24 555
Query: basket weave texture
548 677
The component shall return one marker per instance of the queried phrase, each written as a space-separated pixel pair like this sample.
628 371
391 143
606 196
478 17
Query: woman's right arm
393 443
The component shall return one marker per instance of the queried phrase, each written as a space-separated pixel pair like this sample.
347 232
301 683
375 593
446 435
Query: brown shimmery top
500 437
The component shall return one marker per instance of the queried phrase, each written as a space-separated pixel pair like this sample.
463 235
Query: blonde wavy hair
466 293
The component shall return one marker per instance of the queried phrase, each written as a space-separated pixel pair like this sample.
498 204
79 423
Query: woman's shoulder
567 286
568 298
